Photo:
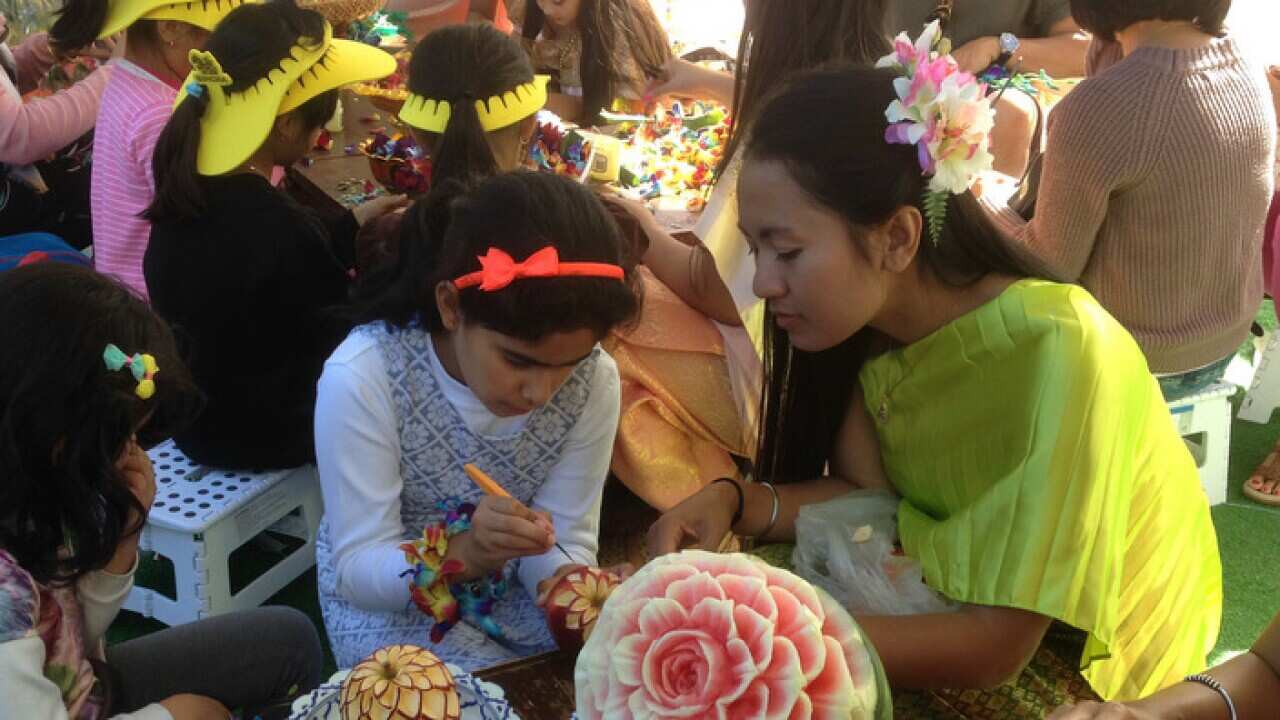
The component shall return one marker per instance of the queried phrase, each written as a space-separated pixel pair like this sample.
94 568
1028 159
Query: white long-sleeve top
26 693
358 454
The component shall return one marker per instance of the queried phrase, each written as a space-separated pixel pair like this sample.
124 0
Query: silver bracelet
1213 684
777 506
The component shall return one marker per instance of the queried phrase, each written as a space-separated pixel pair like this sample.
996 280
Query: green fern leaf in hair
935 213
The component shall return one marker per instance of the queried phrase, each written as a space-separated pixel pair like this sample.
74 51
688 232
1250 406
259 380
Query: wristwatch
1009 44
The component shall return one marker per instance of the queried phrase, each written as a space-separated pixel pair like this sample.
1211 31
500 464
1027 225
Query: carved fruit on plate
400 682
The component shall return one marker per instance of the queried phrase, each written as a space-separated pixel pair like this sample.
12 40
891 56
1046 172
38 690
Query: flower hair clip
141 365
945 112
498 269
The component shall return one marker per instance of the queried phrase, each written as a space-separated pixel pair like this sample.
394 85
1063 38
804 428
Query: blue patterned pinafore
434 445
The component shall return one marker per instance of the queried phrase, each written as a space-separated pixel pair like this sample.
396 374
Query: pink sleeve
33 58
30 131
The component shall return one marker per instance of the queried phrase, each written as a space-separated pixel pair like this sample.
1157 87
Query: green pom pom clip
935 213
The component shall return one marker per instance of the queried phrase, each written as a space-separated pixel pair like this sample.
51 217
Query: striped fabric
135 107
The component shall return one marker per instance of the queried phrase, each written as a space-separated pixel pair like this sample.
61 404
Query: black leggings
257 660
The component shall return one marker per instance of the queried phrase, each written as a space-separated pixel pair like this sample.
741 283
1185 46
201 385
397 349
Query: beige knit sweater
1157 179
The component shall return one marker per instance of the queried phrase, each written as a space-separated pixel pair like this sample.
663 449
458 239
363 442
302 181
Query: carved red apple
574 604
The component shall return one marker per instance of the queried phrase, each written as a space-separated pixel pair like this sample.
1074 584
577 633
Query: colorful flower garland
430 583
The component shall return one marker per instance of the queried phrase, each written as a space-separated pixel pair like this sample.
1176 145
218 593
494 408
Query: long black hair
785 37
827 128
249 43
518 213
65 419
80 22
462 64
610 28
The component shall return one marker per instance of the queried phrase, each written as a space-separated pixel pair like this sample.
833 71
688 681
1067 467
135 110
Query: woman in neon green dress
1041 475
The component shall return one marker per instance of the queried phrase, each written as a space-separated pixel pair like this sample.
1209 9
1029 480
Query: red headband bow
498 269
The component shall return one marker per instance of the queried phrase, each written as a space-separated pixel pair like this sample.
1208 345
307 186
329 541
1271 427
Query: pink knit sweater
1157 179
31 131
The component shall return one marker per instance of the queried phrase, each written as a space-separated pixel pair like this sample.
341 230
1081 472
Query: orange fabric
679 422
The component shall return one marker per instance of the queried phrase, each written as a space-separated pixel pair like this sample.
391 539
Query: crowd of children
863 311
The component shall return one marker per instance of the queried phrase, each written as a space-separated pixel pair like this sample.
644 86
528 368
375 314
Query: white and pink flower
942 110
699 635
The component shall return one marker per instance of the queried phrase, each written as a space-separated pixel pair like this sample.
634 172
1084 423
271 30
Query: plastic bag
846 547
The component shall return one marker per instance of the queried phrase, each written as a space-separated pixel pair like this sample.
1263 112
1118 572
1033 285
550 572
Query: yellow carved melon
400 682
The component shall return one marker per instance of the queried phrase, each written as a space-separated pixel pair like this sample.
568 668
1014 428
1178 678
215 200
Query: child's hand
502 529
636 209
378 207
623 571
135 467
195 707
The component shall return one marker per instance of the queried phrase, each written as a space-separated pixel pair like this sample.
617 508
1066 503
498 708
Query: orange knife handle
486 483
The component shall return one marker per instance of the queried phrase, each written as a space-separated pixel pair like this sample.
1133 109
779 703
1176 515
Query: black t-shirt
250 288
972 19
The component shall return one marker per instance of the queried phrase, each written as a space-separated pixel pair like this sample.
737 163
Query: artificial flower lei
942 110
430 577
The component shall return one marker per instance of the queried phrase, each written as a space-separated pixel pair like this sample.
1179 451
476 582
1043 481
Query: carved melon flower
400 682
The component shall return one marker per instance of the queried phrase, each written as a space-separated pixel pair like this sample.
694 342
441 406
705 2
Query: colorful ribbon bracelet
430 584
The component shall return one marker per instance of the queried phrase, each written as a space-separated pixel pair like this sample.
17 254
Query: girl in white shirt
87 375
481 348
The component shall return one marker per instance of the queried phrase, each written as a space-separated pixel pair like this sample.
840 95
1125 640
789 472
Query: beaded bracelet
1212 683
430 586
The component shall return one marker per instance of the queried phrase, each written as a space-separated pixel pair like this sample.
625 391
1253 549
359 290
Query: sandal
1264 486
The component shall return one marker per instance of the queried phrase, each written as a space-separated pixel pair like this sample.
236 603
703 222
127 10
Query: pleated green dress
1040 469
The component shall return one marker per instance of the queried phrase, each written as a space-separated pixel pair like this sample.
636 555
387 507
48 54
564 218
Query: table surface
538 687
318 184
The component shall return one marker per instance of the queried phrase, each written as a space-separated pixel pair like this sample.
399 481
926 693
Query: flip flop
1264 485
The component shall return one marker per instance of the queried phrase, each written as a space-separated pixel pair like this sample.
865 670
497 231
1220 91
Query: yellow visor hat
236 124
495 113
204 14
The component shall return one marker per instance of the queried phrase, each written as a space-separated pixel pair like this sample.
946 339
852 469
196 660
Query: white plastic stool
201 515
1204 422
1264 393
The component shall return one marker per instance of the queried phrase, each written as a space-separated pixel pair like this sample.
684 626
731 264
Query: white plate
480 700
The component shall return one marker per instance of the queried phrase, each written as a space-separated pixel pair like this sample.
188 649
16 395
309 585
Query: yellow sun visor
204 14
236 124
495 113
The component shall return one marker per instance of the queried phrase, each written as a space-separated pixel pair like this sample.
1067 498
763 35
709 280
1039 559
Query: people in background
596 51
249 277
1158 173
136 103
33 131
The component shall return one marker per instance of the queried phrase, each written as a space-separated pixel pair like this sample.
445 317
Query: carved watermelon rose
700 635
